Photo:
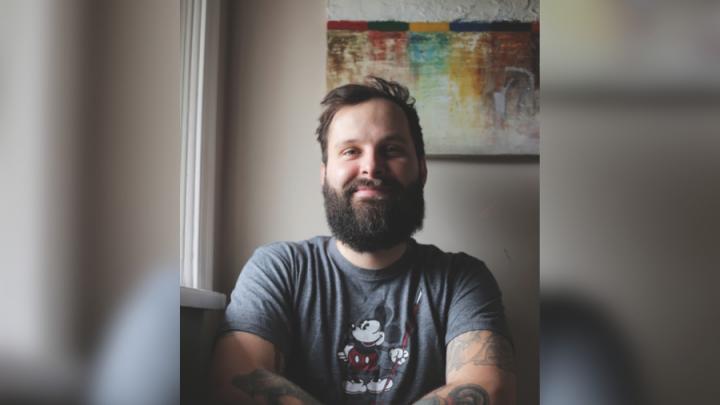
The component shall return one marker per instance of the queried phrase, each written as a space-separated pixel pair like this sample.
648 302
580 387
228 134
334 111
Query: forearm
479 370
467 393
264 387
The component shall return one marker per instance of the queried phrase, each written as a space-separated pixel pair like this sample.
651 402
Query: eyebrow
390 138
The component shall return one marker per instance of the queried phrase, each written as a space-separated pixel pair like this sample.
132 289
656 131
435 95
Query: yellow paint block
430 27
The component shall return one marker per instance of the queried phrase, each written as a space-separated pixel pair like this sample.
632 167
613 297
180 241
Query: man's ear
322 174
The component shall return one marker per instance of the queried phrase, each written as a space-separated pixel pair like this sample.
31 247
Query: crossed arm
479 370
248 370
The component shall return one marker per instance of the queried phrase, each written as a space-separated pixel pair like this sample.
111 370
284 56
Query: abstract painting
476 83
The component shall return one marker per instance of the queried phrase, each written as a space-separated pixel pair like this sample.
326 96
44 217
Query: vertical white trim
200 54
198 147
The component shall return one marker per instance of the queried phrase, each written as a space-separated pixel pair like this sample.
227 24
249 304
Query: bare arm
479 369
247 369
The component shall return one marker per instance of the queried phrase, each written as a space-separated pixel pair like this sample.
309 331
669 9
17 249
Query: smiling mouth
371 191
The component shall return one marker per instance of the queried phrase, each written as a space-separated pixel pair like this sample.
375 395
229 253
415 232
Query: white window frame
200 42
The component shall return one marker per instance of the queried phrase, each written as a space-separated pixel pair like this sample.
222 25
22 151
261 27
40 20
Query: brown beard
375 224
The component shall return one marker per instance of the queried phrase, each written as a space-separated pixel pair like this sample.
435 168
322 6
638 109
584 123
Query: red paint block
347 25
535 26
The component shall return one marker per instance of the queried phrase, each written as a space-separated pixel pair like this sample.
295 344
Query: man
369 315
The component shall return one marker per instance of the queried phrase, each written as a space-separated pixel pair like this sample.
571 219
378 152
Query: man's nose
373 165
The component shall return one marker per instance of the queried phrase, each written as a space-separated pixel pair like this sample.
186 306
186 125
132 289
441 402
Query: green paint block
388 26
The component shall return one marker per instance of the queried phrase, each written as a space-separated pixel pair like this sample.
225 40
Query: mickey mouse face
368 332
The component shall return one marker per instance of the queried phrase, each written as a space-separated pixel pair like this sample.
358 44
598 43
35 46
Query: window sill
203 299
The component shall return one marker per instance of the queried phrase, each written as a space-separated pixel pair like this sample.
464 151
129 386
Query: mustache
390 184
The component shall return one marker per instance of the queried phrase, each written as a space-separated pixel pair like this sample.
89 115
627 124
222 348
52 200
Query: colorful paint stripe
430 27
453 26
499 26
348 25
387 26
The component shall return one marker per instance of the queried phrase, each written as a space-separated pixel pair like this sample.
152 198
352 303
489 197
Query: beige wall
91 139
630 226
40 125
132 169
89 173
271 188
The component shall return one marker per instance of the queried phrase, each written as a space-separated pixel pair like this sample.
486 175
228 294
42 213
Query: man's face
373 180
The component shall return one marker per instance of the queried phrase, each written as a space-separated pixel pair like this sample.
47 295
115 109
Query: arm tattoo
470 394
490 350
271 386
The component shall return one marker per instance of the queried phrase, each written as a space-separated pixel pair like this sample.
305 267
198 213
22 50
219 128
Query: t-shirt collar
401 265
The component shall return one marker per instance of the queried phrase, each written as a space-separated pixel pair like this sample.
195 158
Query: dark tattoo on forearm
480 348
466 394
471 394
272 387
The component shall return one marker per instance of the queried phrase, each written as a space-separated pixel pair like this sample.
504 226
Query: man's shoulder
454 260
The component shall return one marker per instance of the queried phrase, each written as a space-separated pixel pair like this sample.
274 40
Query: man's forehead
377 114
378 106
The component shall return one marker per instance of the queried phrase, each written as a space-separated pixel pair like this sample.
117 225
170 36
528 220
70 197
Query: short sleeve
261 302
476 302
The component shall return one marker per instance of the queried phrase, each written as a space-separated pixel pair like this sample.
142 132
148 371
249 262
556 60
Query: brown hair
374 87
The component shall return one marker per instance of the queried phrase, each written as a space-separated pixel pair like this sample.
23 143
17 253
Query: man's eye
349 152
393 150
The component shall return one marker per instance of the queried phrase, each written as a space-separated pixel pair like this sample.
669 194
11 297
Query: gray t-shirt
352 335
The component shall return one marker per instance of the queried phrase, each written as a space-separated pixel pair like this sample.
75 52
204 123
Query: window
200 64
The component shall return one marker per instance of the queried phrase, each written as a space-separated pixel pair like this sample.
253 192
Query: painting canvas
475 81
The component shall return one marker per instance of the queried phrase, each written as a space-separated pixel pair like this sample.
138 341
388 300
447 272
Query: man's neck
376 260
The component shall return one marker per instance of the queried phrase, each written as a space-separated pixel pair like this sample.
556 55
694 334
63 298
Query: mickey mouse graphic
369 363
